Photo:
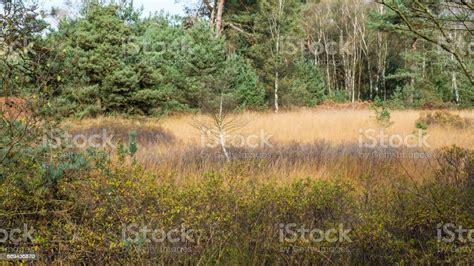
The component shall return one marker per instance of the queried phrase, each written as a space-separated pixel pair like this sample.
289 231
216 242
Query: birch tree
278 27
434 21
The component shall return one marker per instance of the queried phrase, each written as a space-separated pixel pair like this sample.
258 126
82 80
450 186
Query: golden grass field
334 126
303 126
182 158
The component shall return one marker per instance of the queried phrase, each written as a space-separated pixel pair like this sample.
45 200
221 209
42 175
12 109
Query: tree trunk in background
213 15
277 84
455 86
277 74
453 73
221 127
220 11
276 34
328 70
455 83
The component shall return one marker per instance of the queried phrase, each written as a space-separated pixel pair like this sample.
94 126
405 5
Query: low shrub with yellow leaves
101 211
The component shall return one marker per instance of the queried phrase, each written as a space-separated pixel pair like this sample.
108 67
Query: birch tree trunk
277 74
221 127
277 81
328 70
453 74
455 86
276 33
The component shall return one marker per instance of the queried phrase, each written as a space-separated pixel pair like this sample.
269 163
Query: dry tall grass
333 126
318 143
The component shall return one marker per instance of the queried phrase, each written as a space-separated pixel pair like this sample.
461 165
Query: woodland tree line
110 57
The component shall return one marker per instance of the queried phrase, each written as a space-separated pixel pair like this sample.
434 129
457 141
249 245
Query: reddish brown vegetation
338 106
13 107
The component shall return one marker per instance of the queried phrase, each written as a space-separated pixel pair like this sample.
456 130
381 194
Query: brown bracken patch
338 106
13 107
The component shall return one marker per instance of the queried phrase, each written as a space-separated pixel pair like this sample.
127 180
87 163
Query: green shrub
443 119
382 113
84 207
